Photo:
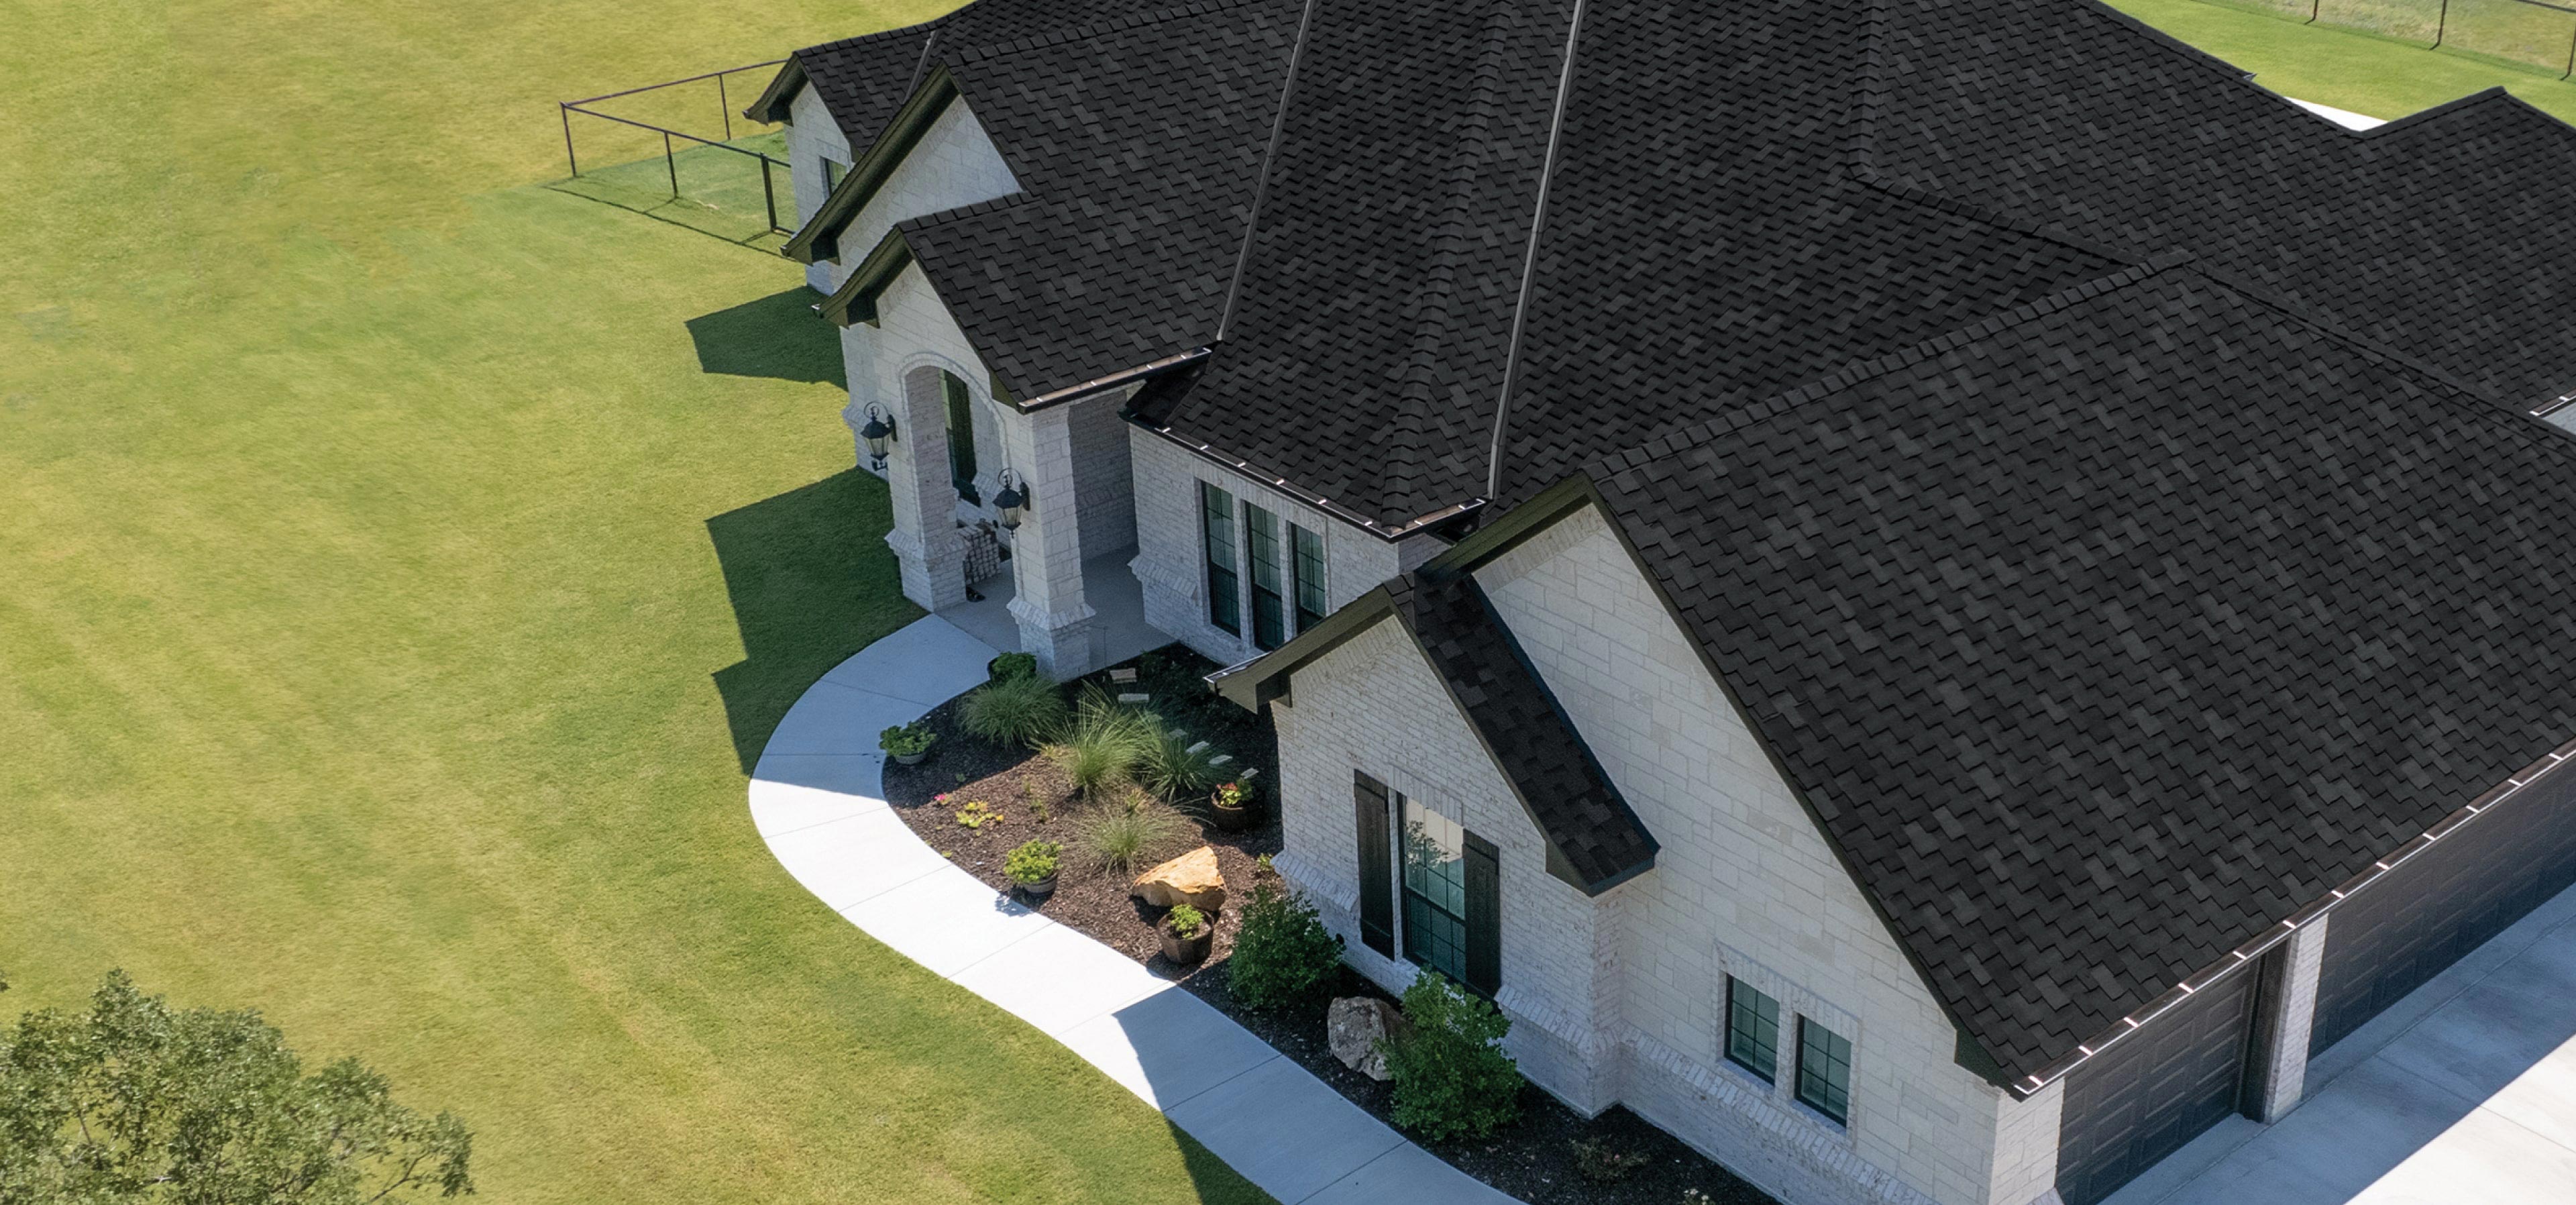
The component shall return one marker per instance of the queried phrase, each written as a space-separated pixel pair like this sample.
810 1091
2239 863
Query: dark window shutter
1484 916
1377 866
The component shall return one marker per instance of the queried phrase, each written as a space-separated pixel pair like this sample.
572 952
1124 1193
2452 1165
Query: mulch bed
1535 1159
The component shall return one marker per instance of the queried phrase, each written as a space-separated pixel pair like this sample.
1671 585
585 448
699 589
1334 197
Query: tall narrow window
833 171
1307 559
1216 536
1269 578
1435 891
961 437
1752 1029
1824 1070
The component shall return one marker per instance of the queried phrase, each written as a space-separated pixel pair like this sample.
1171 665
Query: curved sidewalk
816 799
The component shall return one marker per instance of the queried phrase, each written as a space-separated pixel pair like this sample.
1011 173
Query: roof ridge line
1437 319
981 51
1269 158
1874 367
878 36
1529 264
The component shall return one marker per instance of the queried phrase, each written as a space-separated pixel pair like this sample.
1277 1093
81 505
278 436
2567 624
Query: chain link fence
2529 33
679 151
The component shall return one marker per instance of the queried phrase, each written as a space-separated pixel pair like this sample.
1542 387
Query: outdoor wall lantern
1013 499
878 433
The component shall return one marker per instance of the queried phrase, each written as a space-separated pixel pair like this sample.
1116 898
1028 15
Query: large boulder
1353 1028
1191 878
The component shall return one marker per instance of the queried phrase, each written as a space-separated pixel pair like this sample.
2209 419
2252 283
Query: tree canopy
132 1102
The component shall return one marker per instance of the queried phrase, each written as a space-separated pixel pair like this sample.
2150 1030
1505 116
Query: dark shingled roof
2099 633
863 80
1136 145
1588 827
2103 634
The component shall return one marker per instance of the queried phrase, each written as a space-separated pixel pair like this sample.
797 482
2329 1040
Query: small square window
1752 1029
1824 1071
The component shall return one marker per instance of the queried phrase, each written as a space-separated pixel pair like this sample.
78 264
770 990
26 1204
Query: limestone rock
1353 1027
1191 878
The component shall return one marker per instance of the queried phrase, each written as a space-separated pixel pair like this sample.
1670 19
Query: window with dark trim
1752 1029
833 171
1824 1071
1216 541
1269 578
961 437
1435 890
1306 564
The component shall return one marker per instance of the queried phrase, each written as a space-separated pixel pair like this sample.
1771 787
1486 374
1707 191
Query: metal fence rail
724 106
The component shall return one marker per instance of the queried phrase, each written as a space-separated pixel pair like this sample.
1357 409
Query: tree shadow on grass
777 336
812 582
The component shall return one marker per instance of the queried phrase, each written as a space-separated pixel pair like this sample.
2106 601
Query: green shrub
1283 954
1104 744
1166 766
904 740
1014 665
1033 862
1451 1078
1127 835
1019 710
1185 921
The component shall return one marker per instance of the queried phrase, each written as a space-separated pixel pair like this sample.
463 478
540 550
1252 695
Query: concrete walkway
815 798
2465 1091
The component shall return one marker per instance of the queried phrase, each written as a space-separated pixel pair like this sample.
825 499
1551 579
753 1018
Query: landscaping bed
1540 1158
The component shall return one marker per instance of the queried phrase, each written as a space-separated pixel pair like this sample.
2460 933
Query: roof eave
775 102
819 238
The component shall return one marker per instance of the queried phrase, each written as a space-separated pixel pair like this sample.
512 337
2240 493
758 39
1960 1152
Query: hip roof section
2101 635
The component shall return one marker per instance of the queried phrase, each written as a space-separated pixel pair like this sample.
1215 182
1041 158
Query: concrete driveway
2463 1093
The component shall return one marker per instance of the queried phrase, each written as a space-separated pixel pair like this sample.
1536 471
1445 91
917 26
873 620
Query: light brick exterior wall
1375 705
954 164
812 137
1169 564
1631 986
1106 486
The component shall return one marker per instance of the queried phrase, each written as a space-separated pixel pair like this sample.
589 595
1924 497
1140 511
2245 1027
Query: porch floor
1107 585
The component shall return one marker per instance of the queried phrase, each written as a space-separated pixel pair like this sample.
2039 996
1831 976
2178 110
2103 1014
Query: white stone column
925 541
2277 1070
1056 624
2024 1171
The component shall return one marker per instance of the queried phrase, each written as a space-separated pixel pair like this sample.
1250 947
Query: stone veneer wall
1168 562
1622 998
812 137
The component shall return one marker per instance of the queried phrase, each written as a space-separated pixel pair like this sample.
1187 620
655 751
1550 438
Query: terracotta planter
1188 951
1038 890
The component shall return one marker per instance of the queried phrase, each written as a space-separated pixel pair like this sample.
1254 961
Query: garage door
2159 1088
2404 929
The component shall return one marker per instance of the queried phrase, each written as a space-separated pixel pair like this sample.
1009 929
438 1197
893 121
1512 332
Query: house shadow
778 336
811 581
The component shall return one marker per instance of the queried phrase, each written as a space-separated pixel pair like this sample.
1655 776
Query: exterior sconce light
1013 499
877 434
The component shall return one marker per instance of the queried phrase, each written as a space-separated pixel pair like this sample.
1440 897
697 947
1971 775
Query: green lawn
2357 71
398 555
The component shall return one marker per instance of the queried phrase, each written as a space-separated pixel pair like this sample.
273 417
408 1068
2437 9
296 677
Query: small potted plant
1033 867
907 744
1231 806
1187 934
